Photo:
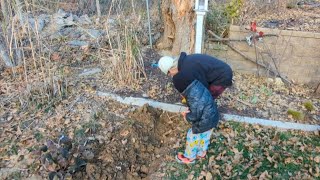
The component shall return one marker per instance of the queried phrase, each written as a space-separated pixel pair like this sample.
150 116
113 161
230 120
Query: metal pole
150 39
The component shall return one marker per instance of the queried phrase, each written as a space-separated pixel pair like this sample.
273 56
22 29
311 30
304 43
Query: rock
84 20
144 169
110 23
88 72
156 36
35 23
75 34
61 13
278 82
93 33
61 20
270 80
69 20
88 155
145 95
78 43
124 141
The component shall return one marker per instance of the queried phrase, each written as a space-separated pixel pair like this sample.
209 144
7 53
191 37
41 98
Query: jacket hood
181 60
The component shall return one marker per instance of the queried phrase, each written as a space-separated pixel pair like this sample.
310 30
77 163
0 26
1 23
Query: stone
278 82
156 37
144 169
93 33
61 13
270 80
62 19
78 43
84 20
88 72
88 155
69 20
35 23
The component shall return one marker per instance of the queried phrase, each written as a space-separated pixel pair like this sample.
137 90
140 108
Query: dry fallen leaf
124 133
209 176
55 56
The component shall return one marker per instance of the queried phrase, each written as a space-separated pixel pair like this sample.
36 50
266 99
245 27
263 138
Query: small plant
254 99
243 96
309 106
233 9
295 114
266 90
38 136
216 20
291 4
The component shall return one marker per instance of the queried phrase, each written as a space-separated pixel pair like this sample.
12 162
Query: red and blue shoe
184 160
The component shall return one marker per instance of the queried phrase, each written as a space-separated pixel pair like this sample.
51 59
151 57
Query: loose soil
140 145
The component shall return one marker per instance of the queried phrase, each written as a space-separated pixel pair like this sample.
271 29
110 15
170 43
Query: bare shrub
127 62
35 79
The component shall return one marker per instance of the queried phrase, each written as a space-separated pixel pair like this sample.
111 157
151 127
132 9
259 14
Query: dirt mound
137 147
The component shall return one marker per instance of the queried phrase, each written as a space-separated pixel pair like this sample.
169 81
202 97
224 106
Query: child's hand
184 114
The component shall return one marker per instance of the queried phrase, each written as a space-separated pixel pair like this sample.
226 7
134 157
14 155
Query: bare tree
179 34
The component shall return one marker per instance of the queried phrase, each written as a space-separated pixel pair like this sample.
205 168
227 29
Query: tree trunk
4 55
179 33
4 9
19 12
98 8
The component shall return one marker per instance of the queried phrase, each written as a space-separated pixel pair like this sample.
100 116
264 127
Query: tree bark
4 55
4 9
98 8
19 12
178 18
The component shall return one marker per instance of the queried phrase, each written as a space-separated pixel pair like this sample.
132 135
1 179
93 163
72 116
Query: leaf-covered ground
242 151
114 141
286 15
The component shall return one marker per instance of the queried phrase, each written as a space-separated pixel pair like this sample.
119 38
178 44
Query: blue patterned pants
197 143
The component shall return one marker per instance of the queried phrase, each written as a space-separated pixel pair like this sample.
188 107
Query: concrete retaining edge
228 117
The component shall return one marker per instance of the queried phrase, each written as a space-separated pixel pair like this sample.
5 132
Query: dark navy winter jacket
203 113
204 68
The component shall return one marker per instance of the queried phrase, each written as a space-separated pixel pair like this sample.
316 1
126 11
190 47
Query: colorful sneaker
202 155
184 160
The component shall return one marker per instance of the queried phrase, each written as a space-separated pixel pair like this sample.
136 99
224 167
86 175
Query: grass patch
309 106
296 114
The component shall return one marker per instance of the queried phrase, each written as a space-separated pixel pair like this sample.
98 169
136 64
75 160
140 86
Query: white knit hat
166 63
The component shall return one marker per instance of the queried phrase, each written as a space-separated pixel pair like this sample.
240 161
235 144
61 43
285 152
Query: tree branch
248 58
